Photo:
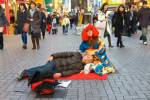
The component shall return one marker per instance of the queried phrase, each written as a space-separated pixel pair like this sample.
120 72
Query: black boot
1 41
121 45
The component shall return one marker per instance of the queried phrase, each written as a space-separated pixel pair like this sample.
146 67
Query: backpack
44 87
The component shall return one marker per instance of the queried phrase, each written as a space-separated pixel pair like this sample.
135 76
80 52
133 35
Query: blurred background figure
35 27
21 19
3 23
118 20
49 23
144 21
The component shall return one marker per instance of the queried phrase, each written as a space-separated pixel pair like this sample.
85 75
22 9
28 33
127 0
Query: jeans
24 38
46 70
144 33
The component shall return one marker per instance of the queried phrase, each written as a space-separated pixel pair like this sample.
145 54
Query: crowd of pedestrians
33 21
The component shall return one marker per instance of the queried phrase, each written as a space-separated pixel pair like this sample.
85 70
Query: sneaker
145 43
141 41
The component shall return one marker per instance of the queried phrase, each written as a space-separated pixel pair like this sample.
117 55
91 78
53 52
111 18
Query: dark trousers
1 41
35 41
54 31
24 38
44 71
109 39
119 41
64 29
106 34
43 31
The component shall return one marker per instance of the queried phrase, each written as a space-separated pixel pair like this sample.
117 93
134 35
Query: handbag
101 24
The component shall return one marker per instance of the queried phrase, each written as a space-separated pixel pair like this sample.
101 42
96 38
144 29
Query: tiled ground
131 83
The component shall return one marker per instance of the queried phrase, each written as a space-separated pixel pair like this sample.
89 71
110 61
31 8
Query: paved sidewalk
131 83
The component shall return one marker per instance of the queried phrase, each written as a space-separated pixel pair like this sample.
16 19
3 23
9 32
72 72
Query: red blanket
82 76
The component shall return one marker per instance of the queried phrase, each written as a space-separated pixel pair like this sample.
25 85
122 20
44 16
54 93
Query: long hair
120 7
22 4
103 6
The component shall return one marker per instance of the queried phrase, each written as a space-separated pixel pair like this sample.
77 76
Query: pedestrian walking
35 31
21 20
49 23
118 22
104 24
144 20
42 21
3 23
54 25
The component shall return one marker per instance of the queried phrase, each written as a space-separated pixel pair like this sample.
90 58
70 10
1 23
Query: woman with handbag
3 23
21 20
104 24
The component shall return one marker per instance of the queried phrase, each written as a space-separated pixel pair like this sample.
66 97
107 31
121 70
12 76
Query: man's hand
50 58
57 75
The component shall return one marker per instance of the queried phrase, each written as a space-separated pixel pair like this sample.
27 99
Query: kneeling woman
94 46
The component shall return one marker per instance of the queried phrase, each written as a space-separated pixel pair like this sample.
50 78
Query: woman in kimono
95 46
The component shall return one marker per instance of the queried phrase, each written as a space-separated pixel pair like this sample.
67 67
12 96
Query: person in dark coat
35 30
118 23
49 23
21 20
58 65
144 20
129 20
42 21
3 23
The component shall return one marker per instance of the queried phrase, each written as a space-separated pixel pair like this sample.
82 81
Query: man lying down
58 65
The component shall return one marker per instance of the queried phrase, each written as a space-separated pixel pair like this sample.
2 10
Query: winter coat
144 17
21 19
118 23
49 20
107 25
43 20
68 63
35 24
3 19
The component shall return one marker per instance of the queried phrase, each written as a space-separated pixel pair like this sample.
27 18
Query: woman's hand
57 75
50 58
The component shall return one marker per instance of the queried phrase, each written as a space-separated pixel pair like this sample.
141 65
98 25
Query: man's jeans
24 38
144 34
45 71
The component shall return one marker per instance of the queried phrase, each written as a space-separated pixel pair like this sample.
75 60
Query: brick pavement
131 83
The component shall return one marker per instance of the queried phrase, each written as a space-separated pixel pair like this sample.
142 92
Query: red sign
2 1
21 1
